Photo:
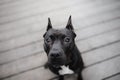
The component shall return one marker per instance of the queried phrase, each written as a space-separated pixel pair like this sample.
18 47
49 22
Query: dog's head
58 44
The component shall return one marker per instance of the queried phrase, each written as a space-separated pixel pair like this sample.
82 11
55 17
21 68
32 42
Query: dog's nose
55 55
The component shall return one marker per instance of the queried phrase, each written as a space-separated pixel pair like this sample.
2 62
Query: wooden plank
25 23
104 53
12 3
113 77
37 74
4 1
15 3
21 52
31 5
102 8
22 65
33 10
34 26
96 19
94 30
99 41
28 14
21 41
102 70
7 35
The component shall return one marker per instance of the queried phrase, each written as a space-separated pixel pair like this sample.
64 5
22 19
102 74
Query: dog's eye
67 39
48 40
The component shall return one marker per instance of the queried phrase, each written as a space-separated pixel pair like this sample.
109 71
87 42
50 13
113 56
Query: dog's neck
74 57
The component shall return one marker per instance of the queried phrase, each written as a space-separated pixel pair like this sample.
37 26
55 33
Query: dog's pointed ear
69 24
49 26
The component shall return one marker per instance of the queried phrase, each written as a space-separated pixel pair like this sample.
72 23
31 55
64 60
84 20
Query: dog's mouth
56 62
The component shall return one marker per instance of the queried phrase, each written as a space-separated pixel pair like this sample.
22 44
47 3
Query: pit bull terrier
63 55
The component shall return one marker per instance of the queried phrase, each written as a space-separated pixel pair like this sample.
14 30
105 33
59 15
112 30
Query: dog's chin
57 64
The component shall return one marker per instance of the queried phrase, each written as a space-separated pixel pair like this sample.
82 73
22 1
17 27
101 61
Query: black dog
63 55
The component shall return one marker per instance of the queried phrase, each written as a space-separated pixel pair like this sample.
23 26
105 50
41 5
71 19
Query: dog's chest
65 70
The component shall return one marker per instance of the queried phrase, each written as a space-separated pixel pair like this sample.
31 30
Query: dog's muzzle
56 57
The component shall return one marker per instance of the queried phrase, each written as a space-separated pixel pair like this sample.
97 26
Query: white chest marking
65 70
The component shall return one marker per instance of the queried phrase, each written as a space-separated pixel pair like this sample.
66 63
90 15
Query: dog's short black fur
61 49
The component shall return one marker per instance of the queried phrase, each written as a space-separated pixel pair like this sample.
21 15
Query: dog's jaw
65 70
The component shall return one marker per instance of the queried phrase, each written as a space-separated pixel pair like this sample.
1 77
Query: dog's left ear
69 24
49 26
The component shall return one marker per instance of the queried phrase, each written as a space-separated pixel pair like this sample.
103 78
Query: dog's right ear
49 26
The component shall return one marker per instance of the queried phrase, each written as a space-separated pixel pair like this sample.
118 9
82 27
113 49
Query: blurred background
23 23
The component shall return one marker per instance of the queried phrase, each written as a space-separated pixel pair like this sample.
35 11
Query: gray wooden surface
23 23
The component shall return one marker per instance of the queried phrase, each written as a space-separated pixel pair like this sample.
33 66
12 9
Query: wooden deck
23 23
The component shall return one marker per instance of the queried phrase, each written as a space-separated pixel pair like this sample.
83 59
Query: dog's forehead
59 32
